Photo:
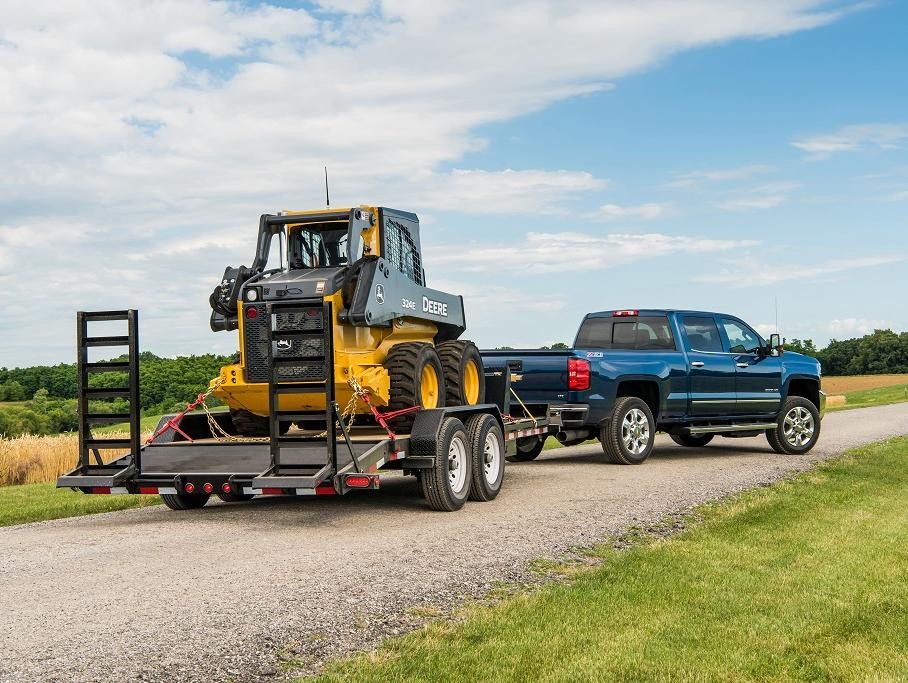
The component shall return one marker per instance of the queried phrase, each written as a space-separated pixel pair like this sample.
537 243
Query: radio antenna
327 197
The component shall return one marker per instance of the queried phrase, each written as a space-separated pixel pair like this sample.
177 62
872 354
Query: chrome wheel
798 426
457 465
635 431
491 458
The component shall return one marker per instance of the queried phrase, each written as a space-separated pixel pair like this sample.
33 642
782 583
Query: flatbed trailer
457 453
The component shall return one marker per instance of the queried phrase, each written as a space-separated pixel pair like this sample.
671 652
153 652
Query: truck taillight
578 374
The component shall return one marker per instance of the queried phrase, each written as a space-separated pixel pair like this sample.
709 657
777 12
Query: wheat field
32 459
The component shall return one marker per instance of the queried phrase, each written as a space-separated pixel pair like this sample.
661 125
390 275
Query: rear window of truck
640 334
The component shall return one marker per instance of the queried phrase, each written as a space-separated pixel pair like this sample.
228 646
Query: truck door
758 377
712 370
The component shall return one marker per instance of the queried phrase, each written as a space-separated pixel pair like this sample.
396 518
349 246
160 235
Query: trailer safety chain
174 422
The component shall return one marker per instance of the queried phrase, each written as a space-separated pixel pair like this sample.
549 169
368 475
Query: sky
563 157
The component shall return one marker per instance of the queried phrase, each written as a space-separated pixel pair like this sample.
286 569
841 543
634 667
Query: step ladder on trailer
92 471
301 360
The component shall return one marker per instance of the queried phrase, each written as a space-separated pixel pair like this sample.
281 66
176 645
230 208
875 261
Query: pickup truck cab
692 374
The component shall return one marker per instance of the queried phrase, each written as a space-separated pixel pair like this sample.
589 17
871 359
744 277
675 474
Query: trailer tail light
359 481
625 313
208 487
578 374
189 487
226 487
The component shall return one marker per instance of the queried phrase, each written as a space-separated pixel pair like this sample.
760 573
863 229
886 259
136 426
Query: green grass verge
38 502
803 580
880 396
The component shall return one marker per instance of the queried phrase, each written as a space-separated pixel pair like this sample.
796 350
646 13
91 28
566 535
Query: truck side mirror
775 345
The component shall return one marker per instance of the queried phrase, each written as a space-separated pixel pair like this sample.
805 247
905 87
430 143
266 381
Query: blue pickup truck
691 374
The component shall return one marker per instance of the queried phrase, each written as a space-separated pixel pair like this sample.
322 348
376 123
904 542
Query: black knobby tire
250 424
185 501
436 482
234 497
529 448
614 437
405 364
783 442
692 440
456 358
487 456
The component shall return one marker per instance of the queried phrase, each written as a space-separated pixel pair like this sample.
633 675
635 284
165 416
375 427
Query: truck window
702 334
646 334
741 339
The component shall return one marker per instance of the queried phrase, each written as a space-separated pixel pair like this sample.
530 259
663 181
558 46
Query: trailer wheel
185 501
529 448
465 381
417 379
691 440
250 424
487 446
234 497
629 432
446 485
797 427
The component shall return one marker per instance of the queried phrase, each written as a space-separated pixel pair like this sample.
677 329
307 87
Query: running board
287 478
715 429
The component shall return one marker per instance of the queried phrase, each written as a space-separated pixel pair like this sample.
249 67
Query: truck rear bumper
572 415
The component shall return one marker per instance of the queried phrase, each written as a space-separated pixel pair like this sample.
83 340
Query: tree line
882 353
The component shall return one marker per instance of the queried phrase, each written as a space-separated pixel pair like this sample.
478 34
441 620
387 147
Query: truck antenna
777 314
327 198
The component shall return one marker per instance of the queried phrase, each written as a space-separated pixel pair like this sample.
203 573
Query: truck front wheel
629 433
797 427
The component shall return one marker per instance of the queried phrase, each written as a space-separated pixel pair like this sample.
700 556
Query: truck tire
487 456
250 424
797 427
528 448
629 432
691 440
417 379
446 485
185 501
465 381
234 497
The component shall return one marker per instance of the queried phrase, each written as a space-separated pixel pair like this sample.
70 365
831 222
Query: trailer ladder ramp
92 471
301 360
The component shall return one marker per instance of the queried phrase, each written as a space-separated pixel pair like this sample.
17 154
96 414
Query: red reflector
619 314
226 487
325 490
358 481
313 312
578 374
189 487
273 492
100 489
148 490
251 312
208 487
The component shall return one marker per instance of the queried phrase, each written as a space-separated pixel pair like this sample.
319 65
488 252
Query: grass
878 396
803 580
38 502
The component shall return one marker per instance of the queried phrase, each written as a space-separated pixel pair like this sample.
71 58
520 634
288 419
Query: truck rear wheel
629 432
529 448
417 379
487 451
465 381
692 441
250 424
797 427
446 485
185 501
234 497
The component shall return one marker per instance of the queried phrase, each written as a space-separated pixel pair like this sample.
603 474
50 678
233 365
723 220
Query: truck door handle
742 365
697 363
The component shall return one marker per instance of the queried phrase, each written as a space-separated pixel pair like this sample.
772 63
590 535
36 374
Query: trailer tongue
457 452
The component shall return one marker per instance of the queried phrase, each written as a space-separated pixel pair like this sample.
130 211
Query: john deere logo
284 345
380 293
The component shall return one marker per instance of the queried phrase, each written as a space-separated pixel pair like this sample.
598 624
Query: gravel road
233 591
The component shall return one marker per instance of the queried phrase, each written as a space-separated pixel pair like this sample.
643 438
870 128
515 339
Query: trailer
457 453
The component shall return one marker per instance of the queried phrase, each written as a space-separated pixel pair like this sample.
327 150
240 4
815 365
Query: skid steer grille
255 332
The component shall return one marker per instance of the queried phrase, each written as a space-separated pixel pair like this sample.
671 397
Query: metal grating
401 251
255 332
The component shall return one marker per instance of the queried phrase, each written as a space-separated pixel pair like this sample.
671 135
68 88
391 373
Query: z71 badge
594 354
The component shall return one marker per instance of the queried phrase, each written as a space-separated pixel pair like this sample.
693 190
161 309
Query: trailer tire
465 381
629 432
234 497
250 424
691 440
487 450
528 448
185 501
797 427
416 379
446 485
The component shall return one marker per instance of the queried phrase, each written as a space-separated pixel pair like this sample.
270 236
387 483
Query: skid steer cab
339 298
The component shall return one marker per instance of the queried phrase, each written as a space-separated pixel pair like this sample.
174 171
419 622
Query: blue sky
563 157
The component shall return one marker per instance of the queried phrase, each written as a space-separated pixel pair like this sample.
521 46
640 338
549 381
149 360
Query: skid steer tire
487 456
250 424
185 501
417 379
446 485
465 382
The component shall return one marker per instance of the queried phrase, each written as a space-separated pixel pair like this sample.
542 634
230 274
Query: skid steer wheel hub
471 383
428 387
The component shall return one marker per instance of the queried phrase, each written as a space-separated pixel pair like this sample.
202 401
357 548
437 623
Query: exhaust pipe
573 435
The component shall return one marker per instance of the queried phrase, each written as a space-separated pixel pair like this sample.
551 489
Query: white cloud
748 272
645 211
850 327
761 197
855 138
573 251
720 175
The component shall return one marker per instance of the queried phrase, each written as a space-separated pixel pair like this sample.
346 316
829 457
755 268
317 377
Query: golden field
33 459
843 385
